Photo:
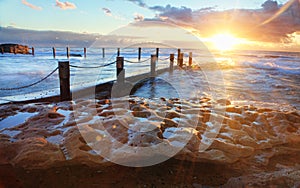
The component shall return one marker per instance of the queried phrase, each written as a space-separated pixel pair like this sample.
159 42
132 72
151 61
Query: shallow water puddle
57 139
11 133
66 113
15 120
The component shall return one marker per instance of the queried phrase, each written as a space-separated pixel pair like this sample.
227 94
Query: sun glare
224 41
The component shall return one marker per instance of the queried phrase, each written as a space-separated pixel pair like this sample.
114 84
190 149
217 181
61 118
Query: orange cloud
138 17
271 23
31 5
65 5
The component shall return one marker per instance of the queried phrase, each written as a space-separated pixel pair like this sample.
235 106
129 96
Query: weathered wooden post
140 52
153 65
84 52
54 52
68 52
181 60
190 59
64 80
157 52
32 51
171 62
118 53
178 55
103 52
120 70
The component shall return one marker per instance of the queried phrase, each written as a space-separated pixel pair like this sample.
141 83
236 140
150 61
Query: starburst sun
224 41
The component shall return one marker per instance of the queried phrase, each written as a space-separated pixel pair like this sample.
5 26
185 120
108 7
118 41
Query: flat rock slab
249 141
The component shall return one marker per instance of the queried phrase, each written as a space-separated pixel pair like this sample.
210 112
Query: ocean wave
281 67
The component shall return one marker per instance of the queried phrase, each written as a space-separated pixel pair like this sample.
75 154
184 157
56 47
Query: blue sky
88 16
254 23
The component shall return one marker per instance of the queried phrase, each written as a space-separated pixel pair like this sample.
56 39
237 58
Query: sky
263 24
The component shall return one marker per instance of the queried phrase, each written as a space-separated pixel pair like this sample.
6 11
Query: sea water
244 77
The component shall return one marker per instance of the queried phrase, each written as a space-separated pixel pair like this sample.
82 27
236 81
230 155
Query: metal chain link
137 61
163 59
35 83
82 67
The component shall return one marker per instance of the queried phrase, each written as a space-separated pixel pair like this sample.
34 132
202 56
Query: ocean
263 78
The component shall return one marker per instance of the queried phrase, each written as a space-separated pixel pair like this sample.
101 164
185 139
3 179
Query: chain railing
93 67
164 59
64 72
143 61
30 85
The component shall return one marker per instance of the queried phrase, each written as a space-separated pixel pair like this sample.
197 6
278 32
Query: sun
224 41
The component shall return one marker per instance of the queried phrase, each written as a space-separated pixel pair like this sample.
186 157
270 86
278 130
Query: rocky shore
14 48
62 144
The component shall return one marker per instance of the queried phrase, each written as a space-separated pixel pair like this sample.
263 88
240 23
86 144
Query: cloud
182 13
31 5
138 17
107 11
139 3
65 5
271 23
270 5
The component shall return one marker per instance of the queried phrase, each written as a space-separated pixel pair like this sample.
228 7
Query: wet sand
255 147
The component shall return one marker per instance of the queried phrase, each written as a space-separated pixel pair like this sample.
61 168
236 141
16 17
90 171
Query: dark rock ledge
14 48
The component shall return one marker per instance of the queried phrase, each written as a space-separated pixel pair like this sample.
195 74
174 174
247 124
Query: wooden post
118 53
103 52
68 52
15 51
190 59
2 50
32 51
171 62
157 52
178 56
120 70
153 65
54 52
64 80
140 52
181 60
84 51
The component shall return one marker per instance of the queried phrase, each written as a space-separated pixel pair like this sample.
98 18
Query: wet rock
248 140
75 149
36 153
143 114
172 114
14 48
234 109
52 114
169 123
140 139
288 177
233 124
116 129
293 117
225 102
